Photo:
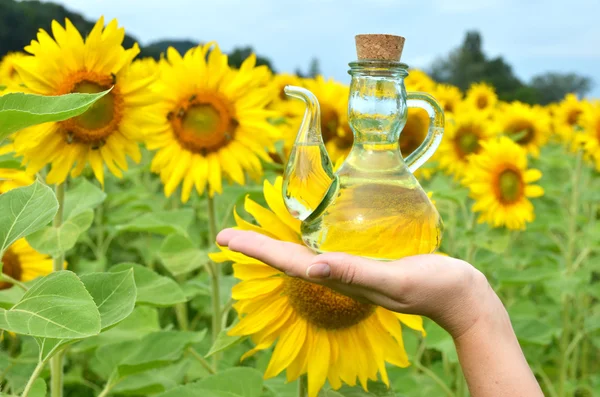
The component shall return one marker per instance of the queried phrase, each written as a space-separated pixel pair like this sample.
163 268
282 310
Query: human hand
449 291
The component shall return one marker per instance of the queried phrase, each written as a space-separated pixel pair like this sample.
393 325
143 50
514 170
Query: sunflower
110 130
529 126
500 183
418 80
414 131
317 331
482 97
333 101
8 73
213 121
449 97
23 263
462 137
11 178
566 117
590 137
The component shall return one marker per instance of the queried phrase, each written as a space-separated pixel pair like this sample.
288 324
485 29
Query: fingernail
318 270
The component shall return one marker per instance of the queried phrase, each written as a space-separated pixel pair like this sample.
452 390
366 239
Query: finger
290 258
226 235
352 270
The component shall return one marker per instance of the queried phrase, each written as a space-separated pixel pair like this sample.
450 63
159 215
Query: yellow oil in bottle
374 208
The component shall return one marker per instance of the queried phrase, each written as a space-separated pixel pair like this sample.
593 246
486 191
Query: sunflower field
116 173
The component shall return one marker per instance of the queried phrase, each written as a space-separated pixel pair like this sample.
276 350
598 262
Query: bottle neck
377 106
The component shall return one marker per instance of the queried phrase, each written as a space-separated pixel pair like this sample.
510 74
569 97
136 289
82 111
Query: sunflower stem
56 362
9 279
201 360
215 279
303 386
36 372
569 262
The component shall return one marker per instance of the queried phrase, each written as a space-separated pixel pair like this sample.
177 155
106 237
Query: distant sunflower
529 126
417 80
414 132
110 130
482 97
333 101
23 263
316 331
567 117
214 121
11 178
9 76
590 137
448 96
500 184
462 137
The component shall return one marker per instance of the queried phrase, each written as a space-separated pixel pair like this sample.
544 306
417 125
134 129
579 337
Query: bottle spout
308 173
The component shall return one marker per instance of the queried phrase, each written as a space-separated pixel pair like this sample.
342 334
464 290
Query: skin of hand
449 291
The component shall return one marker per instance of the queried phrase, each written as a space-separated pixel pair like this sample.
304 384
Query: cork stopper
385 47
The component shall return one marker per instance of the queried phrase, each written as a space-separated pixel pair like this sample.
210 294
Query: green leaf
525 276
19 110
114 295
592 323
376 389
224 342
54 241
10 296
153 288
239 381
533 330
57 306
142 321
161 222
180 256
85 195
24 211
39 388
191 390
153 381
154 350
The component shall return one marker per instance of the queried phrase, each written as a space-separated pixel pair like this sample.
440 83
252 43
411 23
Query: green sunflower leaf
180 256
154 350
161 222
53 240
114 294
85 195
152 288
24 211
57 306
224 342
233 382
19 110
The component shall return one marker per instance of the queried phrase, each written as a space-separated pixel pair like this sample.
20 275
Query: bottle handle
436 128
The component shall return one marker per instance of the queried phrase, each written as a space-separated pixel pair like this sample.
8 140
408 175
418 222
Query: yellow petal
287 349
318 364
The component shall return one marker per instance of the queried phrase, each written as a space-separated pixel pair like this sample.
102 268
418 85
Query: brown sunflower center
482 101
11 266
522 131
598 129
414 131
102 118
573 116
329 122
509 187
324 307
467 140
204 123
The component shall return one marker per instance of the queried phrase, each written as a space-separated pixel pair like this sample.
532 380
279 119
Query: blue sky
535 36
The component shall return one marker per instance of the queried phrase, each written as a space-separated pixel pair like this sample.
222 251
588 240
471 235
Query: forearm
491 358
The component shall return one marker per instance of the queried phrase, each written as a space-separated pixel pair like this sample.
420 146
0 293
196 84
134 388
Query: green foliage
152 288
57 306
25 210
19 110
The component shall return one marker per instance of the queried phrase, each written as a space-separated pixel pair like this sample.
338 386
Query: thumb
349 270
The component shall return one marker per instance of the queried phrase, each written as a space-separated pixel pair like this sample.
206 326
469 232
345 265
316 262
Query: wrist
484 314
